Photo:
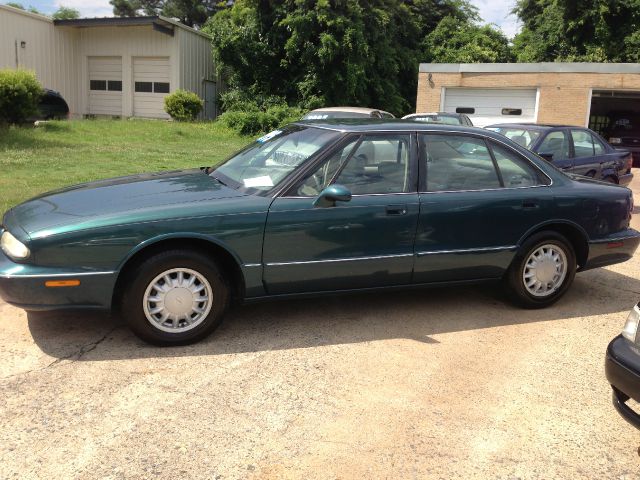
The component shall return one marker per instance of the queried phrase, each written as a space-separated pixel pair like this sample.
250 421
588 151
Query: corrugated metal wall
31 41
196 62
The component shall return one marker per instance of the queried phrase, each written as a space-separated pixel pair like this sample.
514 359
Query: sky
491 11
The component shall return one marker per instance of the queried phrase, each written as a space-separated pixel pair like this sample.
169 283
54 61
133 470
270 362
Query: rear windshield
523 137
336 114
450 120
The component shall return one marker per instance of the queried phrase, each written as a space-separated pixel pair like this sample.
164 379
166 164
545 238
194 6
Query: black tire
143 274
610 179
515 283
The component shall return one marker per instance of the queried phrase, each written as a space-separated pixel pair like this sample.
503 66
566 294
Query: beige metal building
585 94
111 66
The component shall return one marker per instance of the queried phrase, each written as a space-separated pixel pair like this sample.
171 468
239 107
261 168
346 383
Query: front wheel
543 270
175 297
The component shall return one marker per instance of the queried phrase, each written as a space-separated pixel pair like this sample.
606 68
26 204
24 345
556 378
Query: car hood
116 197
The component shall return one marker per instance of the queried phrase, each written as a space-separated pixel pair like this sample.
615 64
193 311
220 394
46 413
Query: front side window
373 164
582 143
273 157
457 162
556 144
320 178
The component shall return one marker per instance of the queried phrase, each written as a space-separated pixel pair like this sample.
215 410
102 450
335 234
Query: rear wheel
175 297
543 270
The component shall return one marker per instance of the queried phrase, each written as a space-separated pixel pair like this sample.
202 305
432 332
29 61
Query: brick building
585 94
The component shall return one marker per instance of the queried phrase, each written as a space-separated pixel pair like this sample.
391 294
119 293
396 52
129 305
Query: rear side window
582 143
557 144
456 163
598 147
516 171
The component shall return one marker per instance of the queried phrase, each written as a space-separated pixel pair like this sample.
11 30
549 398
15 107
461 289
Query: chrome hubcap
545 270
177 300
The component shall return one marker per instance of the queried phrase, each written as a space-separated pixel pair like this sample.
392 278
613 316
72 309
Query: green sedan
313 208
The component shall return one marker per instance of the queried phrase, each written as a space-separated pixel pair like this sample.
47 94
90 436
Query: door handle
396 209
530 204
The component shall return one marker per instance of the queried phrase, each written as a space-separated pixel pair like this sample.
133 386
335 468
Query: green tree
193 13
456 40
65 13
328 52
578 30
31 8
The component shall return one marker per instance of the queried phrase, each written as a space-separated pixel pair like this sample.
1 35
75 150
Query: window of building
161 87
114 85
511 111
97 84
467 110
144 87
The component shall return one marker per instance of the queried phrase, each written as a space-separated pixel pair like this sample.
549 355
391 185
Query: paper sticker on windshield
257 182
269 136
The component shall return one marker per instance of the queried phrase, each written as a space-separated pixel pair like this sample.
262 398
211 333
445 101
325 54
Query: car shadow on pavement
305 323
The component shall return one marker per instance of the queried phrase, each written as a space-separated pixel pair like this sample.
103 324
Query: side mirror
547 156
332 194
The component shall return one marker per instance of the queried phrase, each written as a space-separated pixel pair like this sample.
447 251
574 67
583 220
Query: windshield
271 158
524 138
437 119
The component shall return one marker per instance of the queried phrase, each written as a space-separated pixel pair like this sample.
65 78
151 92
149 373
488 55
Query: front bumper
622 368
23 286
615 248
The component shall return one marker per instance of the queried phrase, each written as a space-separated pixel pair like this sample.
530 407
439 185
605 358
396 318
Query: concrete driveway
447 383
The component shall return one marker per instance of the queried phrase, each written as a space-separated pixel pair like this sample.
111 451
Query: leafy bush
183 105
20 93
256 121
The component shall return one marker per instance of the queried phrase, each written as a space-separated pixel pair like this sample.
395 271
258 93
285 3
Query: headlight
630 330
13 247
615 140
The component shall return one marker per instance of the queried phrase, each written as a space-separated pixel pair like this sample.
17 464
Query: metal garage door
492 105
105 85
151 85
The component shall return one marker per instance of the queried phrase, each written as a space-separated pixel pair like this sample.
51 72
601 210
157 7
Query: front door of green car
367 241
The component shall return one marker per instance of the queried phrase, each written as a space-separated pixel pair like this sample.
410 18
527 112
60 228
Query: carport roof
543 67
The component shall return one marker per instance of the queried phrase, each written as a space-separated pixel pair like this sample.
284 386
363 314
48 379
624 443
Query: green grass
35 160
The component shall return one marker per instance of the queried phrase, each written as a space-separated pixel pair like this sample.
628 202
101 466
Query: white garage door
105 85
150 86
492 105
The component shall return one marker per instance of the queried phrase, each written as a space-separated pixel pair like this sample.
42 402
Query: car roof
385 125
538 126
